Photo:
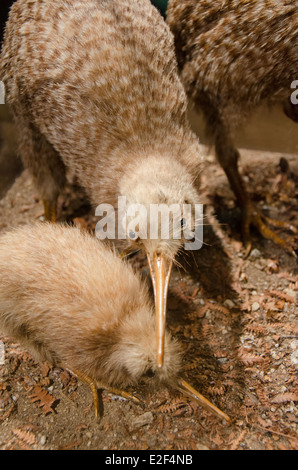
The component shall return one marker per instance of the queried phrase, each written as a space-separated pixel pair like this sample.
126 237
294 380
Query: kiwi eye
183 222
150 373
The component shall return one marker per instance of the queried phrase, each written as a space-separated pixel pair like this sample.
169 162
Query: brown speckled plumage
62 295
234 55
93 85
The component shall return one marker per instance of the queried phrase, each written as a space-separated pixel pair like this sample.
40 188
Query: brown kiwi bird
93 86
234 55
63 295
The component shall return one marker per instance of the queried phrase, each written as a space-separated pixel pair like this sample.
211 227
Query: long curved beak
160 269
187 390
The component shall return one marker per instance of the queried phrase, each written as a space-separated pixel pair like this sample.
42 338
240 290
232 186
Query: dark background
4 10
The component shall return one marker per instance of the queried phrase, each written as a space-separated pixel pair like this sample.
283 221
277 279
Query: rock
202 447
42 440
255 306
294 344
291 293
294 358
255 253
140 421
229 304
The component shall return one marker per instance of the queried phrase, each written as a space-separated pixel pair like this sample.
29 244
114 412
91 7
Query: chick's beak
160 269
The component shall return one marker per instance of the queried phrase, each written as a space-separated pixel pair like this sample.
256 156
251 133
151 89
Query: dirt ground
236 319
